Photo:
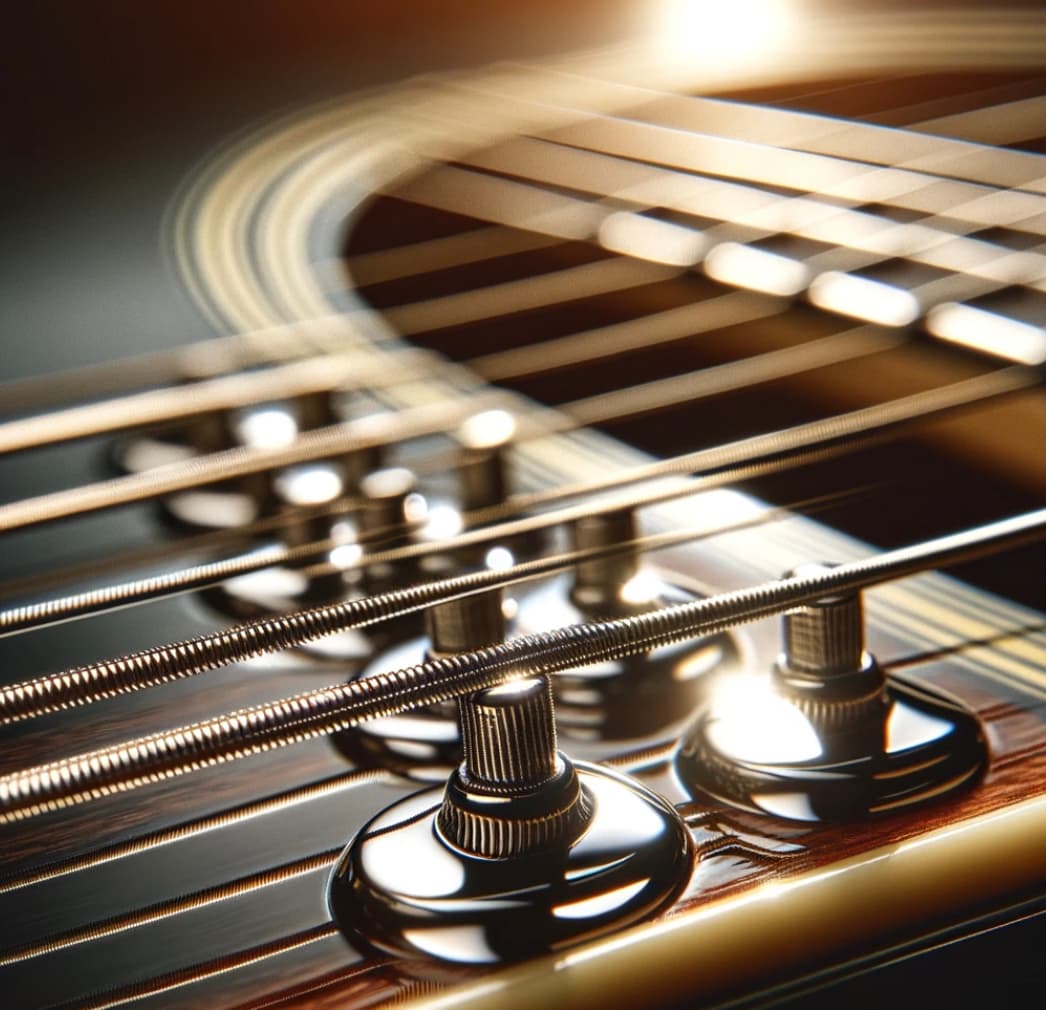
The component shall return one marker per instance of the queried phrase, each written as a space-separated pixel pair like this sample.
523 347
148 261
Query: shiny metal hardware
607 586
642 700
513 793
521 853
828 736
464 624
482 467
310 501
425 743
389 506
260 425
484 477
824 668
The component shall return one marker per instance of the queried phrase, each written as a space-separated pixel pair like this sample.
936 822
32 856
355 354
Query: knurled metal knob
509 736
824 667
513 793
825 637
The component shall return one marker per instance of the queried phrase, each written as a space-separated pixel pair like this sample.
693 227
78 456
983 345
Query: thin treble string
327 374
237 352
814 434
84 685
752 213
614 405
817 140
391 427
116 595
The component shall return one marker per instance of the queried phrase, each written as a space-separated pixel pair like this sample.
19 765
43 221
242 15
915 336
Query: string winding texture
164 755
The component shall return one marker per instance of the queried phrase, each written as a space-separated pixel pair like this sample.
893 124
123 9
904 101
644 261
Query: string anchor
522 852
828 736
228 504
425 743
642 699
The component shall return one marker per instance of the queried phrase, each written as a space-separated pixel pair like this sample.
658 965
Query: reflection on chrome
265 427
754 723
695 664
645 587
649 238
863 298
393 864
467 944
790 806
817 760
907 727
346 556
487 429
591 871
989 332
442 522
312 484
499 559
756 269
600 904
402 887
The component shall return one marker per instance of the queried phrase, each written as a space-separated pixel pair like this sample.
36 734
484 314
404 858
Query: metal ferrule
513 793
465 624
499 826
598 583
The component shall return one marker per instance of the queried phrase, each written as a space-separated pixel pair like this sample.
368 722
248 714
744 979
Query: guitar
745 289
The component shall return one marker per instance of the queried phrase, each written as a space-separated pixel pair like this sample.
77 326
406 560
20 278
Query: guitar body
188 174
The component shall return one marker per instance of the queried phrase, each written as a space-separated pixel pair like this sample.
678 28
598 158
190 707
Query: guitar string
341 373
867 178
32 615
301 867
165 365
327 374
406 327
939 239
677 385
84 685
373 431
815 135
277 267
691 113
391 427
613 406
93 567
158 756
